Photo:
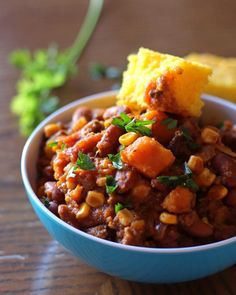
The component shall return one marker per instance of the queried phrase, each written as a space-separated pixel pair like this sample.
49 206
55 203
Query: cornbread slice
223 80
163 82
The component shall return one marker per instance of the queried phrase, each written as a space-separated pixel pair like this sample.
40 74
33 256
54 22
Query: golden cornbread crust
223 80
164 82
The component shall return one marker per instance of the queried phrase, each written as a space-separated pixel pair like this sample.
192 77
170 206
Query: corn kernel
77 125
141 191
75 194
51 129
95 199
128 138
196 164
205 178
101 181
83 211
217 192
125 217
210 135
168 218
67 199
107 122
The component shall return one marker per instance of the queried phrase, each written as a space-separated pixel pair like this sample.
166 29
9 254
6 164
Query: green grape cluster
41 72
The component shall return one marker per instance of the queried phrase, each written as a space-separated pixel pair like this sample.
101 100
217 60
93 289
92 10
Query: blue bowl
129 262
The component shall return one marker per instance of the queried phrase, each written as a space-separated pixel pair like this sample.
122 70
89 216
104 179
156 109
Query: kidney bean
53 192
231 198
229 138
53 207
94 126
98 114
115 111
110 140
194 226
226 167
82 112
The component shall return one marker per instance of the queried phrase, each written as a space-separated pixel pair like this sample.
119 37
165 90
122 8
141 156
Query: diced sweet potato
179 200
148 156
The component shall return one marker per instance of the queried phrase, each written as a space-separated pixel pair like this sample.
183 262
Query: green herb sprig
170 123
180 180
84 162
119 206
111 184
133 125
116 160
189 140
45 201
45 70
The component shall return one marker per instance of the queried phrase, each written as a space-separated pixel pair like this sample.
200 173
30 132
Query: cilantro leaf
84 162
45 201
111 184
170 123
116 160
52 144
189 140
133 125
63 146
118 207
180 180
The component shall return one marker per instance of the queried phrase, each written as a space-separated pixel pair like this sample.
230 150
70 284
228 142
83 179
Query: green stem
88 26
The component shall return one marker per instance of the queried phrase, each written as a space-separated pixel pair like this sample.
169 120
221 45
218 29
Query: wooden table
30 261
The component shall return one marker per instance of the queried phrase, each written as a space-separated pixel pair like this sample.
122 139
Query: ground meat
109 142
226 167
99 231
125 180
178 146
115 111
87 179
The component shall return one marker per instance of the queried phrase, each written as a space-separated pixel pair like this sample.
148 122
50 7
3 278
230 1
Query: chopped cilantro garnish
170 123
180 180
52 144
189 140
63 146
118 207
111 184
133 125
84 162
116 160
220 125
45 201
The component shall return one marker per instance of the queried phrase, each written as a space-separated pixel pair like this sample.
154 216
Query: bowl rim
56 219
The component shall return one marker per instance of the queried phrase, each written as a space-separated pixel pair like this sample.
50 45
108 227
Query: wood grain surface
30 261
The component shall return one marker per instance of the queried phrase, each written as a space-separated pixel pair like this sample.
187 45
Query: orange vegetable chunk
148 156
179 200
